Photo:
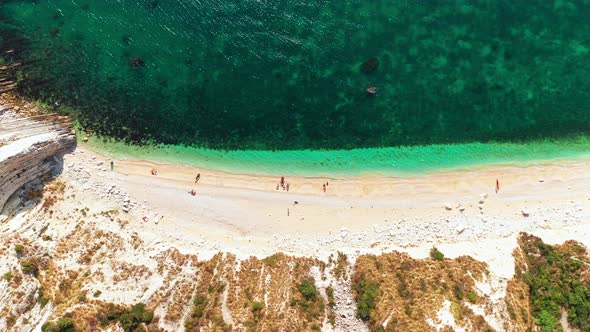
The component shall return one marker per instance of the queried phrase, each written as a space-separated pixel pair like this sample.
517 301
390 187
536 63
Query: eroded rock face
30 148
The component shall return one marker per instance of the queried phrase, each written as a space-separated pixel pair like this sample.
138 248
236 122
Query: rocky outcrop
31 147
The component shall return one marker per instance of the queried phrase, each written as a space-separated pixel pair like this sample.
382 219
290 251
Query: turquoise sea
267 85
394 161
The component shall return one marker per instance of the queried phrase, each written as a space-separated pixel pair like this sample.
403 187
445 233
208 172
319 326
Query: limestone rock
31 148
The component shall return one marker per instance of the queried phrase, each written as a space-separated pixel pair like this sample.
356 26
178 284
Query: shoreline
246 215
173 170
316 163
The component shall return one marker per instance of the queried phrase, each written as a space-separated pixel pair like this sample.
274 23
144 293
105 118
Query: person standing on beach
112 165
497 186
198 178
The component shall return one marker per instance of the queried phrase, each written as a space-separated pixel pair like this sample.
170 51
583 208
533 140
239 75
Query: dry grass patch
405 292
52 193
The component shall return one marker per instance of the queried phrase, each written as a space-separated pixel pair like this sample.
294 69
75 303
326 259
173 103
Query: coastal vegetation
367 292
129 319
558 281
550 280
396 292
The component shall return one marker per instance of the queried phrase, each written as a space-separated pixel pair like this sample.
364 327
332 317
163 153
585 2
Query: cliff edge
31 147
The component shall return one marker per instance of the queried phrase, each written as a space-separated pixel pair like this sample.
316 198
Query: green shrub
42 299
129 319
472 297
97 293
65 324
7 276
434 253
271 261
50 327
29 266
257 306
257 310
138 314
19 248
307 289
330 294
199 302
367 292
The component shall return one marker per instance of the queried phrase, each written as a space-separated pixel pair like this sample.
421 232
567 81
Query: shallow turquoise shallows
398 162
366 80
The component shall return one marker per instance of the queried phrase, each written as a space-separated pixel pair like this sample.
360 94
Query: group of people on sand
192 192
283 184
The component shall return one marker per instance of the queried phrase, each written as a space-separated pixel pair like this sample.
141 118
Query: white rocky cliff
30 148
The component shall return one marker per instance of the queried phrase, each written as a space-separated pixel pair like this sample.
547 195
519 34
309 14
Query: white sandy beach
246 214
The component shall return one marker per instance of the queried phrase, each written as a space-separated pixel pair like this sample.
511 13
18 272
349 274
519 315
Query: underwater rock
53 32
370 65
371 91
152 5
136 62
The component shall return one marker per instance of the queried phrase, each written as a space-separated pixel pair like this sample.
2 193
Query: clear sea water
395 161
226 83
